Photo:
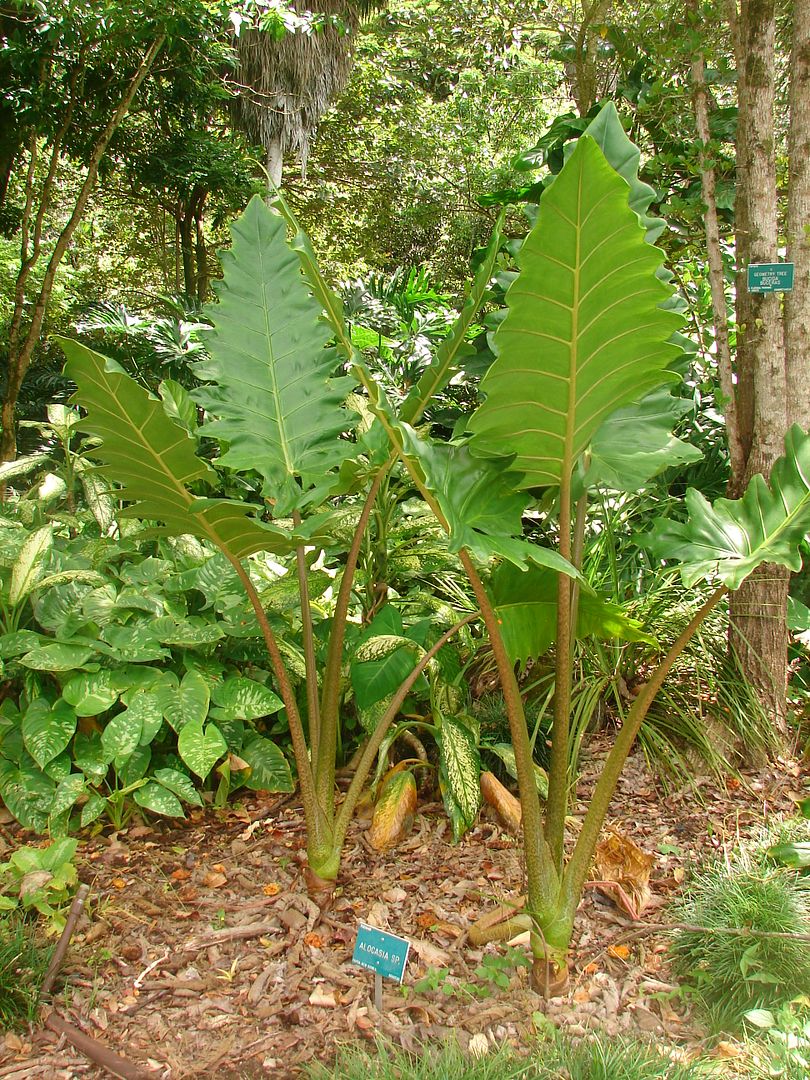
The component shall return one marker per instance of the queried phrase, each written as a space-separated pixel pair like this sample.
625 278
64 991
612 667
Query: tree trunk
758 629
186 232
275 162
22 345
714 253
797 302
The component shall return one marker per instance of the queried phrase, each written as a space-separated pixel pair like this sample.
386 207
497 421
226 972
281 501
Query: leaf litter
202 954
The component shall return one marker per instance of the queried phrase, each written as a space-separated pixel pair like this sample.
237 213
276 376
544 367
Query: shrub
731 974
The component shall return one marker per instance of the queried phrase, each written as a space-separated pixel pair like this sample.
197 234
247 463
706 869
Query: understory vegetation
465 456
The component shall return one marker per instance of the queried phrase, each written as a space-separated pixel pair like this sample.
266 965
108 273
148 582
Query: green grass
597 1059
23 963
731 974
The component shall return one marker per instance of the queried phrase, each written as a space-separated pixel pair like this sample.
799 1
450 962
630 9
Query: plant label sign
770 277
381 952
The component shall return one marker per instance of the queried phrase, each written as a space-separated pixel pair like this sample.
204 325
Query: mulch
202 956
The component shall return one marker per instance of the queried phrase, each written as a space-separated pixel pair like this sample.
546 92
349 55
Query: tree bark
714 253
21 350
275 163
758 628
797 302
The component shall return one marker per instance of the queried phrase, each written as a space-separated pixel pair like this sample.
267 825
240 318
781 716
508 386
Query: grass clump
595 1059
731 974
23 963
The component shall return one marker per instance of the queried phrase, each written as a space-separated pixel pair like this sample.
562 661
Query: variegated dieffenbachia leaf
459 772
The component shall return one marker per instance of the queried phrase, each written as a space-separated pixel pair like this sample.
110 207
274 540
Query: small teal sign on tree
770 277
383 953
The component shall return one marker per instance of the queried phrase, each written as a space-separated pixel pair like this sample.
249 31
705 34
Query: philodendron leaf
181 784
269 770
91 693
47 729
732 537
154 459
526 605
478 500
122 734
201 747
159 800
584 332
269 390
56 657
636 443
185 702
245 699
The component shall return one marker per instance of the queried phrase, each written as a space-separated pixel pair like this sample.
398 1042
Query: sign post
383 953
770 277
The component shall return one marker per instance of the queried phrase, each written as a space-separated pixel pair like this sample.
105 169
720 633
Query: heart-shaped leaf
47 729
186 702
200 746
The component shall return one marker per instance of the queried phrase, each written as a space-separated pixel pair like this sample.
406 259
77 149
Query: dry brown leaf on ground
623 872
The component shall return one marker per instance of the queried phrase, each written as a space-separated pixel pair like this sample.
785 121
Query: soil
202 956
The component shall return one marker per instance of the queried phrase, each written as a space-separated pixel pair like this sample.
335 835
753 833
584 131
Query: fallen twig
229 933
96 1051
76 909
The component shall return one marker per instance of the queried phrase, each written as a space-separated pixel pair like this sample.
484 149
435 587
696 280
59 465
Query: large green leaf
479 502
183 703
269 390
201 747
56 657
154 459
584 332
636 443
245 699
732 537
624 156
526 604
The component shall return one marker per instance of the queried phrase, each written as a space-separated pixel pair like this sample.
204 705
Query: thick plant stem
330 699
541 875
312 811
310 663
576 873
558 766
373 745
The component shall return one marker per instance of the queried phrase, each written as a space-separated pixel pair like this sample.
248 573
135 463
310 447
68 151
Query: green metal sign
381 952
770 277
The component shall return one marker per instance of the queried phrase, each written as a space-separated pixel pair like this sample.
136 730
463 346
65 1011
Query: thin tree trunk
275 163
797 302
201 249
21 351
714 253
186 223
758 628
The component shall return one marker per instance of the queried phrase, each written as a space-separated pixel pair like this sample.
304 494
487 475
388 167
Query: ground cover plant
597 1059
586 351
23 963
